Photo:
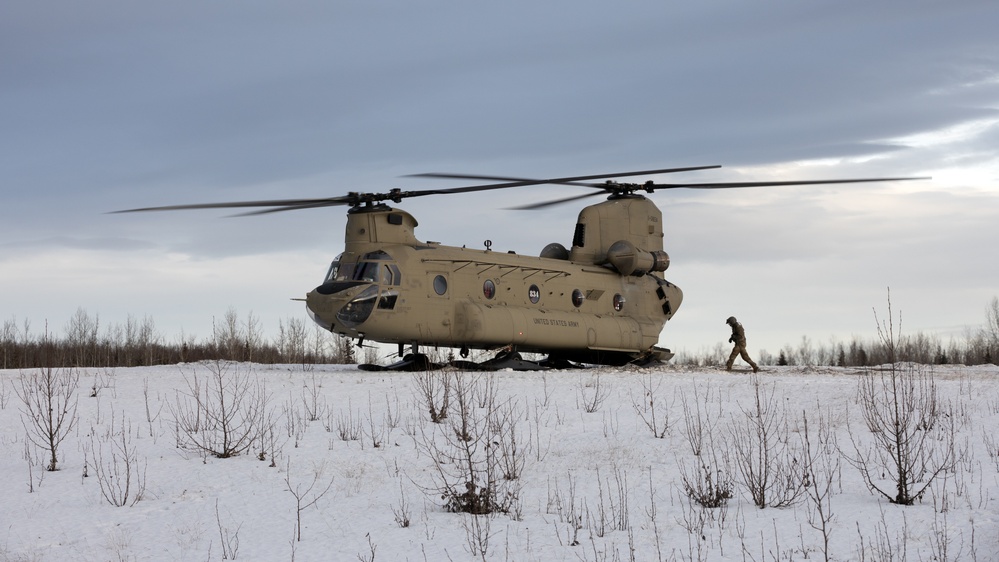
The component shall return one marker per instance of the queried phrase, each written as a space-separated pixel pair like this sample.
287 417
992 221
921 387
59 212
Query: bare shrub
49 408
513 449
900 407
709 482
313 399
707 479
766 462
698 423
465 452
222 413
478 531
434 392
822 463
567 508
120 474
150 416
402 513
228 538
905 456
592 394
306 495
370 555
652 409
348 427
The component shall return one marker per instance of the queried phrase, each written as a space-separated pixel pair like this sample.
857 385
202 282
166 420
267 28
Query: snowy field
584 465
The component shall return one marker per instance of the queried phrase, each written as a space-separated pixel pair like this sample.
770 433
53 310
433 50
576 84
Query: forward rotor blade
497 178
289 208
291 203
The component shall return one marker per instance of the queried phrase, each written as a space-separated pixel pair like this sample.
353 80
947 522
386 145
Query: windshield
338 271
375 268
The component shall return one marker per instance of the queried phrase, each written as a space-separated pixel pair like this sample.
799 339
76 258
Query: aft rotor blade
546 204
727 185
517 182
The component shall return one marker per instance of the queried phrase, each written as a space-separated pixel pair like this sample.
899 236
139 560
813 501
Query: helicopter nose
342 304
323 301
324 324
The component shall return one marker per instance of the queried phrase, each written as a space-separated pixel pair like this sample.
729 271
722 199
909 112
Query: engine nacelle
555 251
629 260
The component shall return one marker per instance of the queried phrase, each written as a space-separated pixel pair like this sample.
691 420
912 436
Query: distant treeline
976 347
85 342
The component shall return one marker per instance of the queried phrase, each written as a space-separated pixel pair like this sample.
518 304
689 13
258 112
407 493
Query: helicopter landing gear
410 362
509 358
653 357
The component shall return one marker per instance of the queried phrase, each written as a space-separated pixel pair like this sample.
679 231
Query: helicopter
604 301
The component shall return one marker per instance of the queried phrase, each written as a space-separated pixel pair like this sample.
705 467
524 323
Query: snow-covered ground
591 485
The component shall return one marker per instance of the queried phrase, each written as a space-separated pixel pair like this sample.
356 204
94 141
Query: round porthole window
440 284
618 302
577 298
489 289
534 293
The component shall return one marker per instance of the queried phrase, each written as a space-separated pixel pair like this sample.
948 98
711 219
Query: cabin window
489 289
577 298
534 294
440 284
618 302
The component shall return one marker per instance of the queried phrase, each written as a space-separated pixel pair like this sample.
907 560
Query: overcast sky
108 105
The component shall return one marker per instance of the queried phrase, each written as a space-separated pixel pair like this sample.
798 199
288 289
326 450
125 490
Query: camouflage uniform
739 339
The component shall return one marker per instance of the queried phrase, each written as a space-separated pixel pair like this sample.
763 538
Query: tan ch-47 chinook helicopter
604 301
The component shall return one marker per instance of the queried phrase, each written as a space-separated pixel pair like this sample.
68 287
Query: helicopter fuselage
389 287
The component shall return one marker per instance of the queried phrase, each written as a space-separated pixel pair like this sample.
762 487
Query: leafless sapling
766 461
900 409
220 413
118 470
49 400
306 495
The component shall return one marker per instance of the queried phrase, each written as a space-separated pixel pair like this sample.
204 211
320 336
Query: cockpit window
366 271
331 274
373 269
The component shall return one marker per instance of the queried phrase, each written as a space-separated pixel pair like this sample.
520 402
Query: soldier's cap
730 320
